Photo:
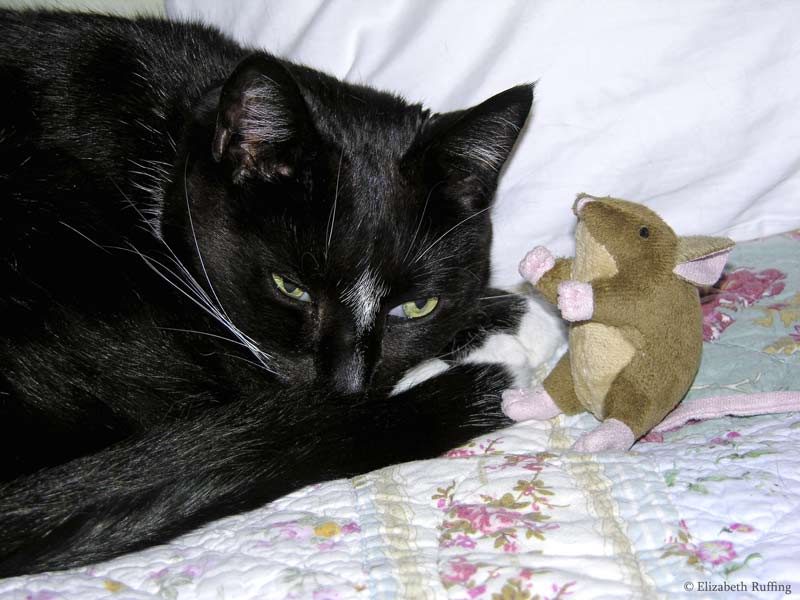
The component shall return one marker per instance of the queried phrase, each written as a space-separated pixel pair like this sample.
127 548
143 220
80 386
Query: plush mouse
635 337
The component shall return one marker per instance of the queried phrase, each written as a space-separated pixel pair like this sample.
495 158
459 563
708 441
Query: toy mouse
635 337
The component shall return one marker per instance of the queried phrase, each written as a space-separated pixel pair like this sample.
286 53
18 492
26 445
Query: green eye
291 289
416 308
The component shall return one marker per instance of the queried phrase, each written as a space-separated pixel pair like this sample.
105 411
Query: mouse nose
580 202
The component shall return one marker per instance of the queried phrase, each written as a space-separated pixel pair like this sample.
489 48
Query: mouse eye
644 232
291 289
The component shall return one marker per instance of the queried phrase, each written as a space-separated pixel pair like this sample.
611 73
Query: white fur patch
422 372
528 354
364 299
506 349
355 373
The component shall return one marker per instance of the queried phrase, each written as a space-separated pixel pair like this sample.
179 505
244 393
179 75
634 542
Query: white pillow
690 107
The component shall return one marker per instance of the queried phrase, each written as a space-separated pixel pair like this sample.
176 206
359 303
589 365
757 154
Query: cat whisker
194 236
249 362
193 290
205 333
474 276
212 309
499 296
441 259
206 303
332 218
448 232
223 316
421 217
84 236
197 295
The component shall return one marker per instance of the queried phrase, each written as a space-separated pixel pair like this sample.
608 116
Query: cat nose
350 375
347 361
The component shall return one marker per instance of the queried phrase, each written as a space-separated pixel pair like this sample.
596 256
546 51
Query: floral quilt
709 510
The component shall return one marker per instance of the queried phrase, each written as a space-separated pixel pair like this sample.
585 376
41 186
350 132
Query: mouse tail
739 405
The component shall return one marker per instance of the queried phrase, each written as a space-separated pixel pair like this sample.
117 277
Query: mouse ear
262 120
701 259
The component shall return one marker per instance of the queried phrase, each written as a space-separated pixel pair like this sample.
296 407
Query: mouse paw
536 263
529 403
610 435
575 300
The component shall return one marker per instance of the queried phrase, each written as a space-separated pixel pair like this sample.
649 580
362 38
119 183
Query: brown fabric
548 284
559 385
692 246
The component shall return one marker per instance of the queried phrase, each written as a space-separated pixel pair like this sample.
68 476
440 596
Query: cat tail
234 458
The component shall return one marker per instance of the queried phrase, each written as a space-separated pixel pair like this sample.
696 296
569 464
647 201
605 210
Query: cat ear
262 121
469 148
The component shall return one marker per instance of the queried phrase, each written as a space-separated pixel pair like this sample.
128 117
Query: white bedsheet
690 107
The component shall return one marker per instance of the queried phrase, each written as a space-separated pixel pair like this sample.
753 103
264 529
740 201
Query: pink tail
740 405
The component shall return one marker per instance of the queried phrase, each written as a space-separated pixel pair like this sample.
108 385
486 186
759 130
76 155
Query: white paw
539 340
504 349
536 263
575 300
422 372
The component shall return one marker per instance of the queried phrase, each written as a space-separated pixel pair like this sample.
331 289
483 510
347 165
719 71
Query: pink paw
610 435
536 263
525 404
575 300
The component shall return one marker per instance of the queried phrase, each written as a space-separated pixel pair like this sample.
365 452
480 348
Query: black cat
215 267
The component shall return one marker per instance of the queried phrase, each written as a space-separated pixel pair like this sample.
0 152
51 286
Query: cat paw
529 403
575 300
611 435
536 263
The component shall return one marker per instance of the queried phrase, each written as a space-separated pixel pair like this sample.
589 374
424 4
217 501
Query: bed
690 109
518 514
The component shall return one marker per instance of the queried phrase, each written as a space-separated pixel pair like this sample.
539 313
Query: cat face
343 232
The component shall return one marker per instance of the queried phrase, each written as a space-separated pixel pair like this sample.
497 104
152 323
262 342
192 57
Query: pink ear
704 270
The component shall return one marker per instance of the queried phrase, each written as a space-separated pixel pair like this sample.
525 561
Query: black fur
153 177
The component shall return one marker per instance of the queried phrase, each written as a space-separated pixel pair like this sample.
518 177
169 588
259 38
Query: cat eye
290 288
415 309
